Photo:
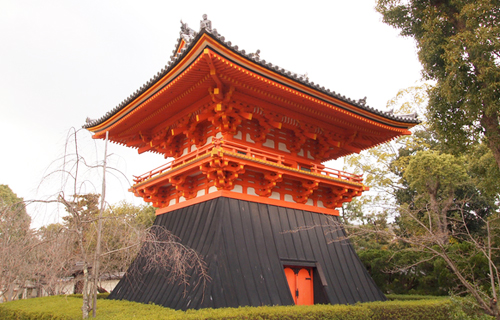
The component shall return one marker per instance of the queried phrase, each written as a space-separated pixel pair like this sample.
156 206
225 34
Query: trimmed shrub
410 297
411 310
69 307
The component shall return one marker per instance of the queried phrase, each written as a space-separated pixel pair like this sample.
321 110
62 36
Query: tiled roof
190 37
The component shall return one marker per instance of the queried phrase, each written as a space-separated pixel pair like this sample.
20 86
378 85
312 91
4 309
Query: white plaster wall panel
275 195
282 147
269 143
249 138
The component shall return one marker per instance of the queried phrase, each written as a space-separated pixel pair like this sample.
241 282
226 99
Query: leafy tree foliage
445 208
124 225
14 220
459 46
445 236
394 271
15 240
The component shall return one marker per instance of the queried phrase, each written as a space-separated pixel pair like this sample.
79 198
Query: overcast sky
64 61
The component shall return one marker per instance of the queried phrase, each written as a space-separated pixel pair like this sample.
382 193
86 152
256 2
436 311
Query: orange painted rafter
325 119
279 99
290 82
213 74
319 124
309 130
166 125
325 123
166 106
148 102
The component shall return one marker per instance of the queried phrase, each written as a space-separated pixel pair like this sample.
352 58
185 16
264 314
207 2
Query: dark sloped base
245 245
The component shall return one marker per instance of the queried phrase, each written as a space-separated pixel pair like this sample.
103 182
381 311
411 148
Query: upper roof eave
191 43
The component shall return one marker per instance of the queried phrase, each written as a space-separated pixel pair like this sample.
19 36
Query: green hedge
68 307
80 296
409 297
416 309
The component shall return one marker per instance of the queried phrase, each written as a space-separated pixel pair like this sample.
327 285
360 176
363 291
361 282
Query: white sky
64 61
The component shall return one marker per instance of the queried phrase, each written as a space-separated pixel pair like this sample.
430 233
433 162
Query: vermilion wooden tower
248 140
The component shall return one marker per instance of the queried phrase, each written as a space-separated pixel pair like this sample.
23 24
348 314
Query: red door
300 281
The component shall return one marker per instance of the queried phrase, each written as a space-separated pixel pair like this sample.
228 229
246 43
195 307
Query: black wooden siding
245 245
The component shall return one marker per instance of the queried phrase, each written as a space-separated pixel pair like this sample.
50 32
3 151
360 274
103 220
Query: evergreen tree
458 45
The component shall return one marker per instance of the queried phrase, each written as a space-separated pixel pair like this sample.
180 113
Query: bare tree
52 265
85 221
163 252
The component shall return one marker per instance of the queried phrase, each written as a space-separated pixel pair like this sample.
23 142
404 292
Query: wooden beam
145 148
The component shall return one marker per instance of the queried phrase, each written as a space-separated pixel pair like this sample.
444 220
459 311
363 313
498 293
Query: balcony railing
244 150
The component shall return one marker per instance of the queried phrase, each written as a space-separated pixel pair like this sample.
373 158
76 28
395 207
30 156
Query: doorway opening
300 281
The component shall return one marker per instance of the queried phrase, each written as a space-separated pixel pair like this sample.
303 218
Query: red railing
334 173
154 172
245 150
177 162
242 149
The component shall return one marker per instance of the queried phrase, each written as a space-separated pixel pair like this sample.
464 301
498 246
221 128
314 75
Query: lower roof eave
247 197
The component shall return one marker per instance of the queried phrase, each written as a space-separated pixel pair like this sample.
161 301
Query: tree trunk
441 219
85 292
470 288
10 292
494 307
492 131
444 216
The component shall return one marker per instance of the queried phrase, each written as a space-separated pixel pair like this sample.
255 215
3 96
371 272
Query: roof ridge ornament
206 24
255 55
362 101
186 32
412 115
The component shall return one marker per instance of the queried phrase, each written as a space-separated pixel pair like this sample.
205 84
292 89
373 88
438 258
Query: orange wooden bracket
213 74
